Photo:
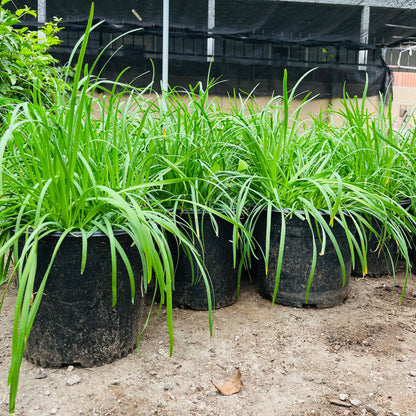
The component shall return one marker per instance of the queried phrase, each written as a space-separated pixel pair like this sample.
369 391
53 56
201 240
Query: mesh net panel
252 41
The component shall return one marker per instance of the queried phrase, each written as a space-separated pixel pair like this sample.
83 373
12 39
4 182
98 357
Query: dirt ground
355 359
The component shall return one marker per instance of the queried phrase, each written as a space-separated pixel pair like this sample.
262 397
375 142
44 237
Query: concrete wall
404 99
404 94
403 102
312 108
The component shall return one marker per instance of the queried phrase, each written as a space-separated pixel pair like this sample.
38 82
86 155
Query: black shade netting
251 42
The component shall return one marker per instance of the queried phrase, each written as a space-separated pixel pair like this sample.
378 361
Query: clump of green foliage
27 69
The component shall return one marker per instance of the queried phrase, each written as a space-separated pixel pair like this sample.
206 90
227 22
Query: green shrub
27 70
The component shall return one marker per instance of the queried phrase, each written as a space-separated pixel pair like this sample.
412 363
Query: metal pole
165 47
365 29
211 26
41 16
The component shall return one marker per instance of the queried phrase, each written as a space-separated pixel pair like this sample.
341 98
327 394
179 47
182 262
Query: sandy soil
293 362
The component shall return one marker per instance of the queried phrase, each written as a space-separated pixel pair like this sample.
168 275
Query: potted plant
376 152
190 150
76 189
297 190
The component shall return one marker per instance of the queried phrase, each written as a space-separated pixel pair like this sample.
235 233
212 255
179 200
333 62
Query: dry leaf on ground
230 387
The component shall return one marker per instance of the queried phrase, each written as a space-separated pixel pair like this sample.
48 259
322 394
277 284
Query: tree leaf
230 387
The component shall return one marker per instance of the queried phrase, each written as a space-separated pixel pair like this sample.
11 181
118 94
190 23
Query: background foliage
26 67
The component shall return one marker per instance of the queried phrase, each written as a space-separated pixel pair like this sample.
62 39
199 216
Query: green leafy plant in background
372 149
26 67
376 152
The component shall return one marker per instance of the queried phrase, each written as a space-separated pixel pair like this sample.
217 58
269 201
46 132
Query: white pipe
165 46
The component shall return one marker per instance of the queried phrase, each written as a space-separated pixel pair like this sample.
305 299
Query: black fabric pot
76 323
327 287
217 256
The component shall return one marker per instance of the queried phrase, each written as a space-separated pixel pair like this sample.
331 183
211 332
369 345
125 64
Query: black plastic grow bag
216 252
76 323
327 288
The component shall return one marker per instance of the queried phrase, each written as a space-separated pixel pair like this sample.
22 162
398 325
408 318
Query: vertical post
364 32
211 26
165 47
41 16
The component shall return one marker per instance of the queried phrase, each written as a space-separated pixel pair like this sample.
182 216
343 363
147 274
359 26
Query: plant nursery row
109 192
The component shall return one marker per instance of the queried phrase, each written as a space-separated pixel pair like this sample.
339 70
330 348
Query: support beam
165 46
365 29
211 26
41 11
41 14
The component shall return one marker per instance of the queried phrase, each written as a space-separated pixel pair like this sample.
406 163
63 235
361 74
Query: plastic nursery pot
217 255
76 323
327 288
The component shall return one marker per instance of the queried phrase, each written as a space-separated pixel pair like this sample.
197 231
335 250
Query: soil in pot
327 288
76 323
217 255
